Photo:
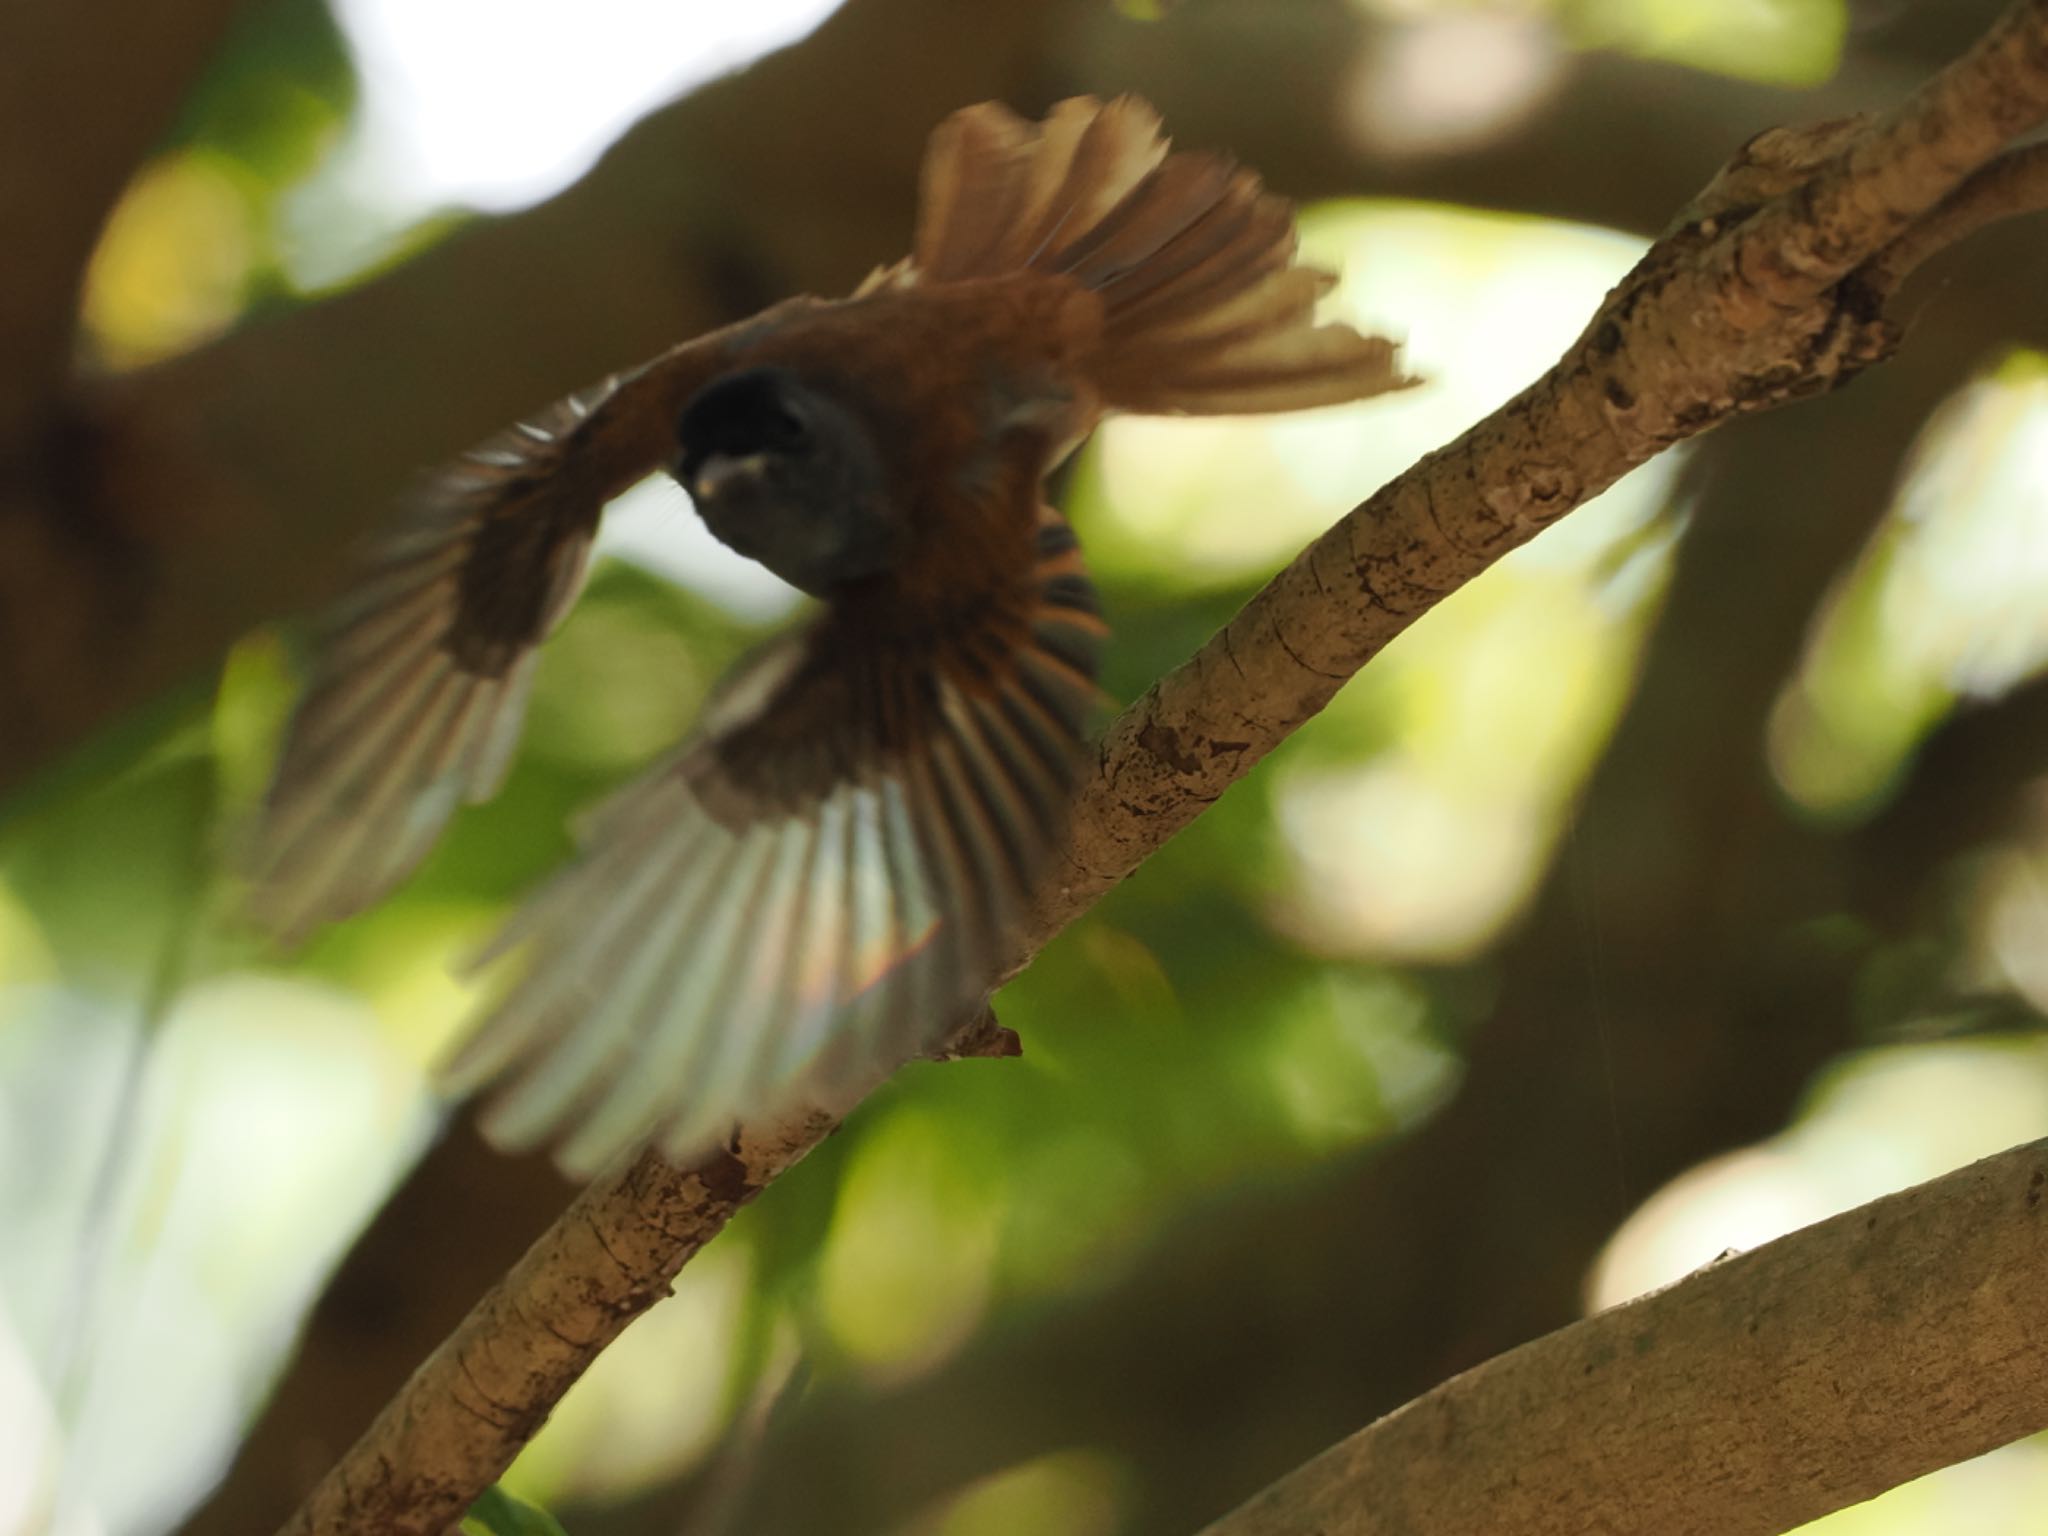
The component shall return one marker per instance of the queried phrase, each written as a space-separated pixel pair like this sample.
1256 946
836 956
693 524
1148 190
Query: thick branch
1683 344
1912 159
1751 1397
490 1386
610 1256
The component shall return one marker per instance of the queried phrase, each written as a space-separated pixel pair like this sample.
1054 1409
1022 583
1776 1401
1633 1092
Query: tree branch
1751 1397
1742 310
610 1256
490 1386
346 1367
2013 185
1745 309
1707 1034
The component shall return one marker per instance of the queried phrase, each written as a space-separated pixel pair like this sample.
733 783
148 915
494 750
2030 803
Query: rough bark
443 1439
666 268
1753 1396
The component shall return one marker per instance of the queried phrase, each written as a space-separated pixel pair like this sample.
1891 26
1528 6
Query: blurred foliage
196 243
1944 606
176 262
1077 1493
1787 42
275 94
498 1513
1249 1004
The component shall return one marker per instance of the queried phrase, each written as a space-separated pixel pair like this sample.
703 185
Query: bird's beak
721 470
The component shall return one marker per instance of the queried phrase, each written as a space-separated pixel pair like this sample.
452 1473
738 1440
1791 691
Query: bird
820 880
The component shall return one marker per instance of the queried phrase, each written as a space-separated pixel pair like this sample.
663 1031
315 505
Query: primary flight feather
817 883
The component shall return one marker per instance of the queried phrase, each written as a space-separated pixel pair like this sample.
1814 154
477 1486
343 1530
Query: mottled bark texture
1768 294
490 1386
1755 1395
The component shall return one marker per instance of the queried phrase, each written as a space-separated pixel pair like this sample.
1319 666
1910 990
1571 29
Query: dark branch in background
225 510
1975 782
229 483
85 91
1748 308
1751 1397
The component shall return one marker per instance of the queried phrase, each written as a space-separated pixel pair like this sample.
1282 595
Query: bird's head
787 475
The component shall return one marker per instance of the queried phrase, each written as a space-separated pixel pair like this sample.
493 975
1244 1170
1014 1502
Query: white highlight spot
498 103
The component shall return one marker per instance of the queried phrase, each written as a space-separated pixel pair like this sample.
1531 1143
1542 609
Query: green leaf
499 1513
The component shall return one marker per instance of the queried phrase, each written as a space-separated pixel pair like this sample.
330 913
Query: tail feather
1152 221
1280 301
1240 235
976 173
1204 310
997 191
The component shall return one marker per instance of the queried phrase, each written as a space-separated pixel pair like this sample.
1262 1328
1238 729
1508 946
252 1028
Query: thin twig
1757 1394
2010 187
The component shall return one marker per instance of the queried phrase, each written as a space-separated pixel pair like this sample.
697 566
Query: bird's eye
762 411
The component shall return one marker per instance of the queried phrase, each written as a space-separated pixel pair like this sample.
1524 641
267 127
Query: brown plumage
818 882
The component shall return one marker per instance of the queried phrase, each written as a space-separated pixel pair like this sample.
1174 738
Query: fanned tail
1204 310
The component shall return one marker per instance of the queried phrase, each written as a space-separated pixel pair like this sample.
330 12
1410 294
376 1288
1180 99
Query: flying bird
817 883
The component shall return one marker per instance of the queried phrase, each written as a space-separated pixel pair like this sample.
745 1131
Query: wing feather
807 892
423 666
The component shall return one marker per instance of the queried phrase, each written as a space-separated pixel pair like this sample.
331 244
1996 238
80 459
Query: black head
787 475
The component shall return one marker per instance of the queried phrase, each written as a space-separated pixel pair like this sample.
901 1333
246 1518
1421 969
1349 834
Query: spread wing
421 670
808 890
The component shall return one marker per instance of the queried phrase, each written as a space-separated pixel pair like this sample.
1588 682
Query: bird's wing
810 890
421 669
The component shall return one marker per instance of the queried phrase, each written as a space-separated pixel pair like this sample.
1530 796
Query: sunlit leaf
1076 1493
498 1513
175 261
1950 600
1786 42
